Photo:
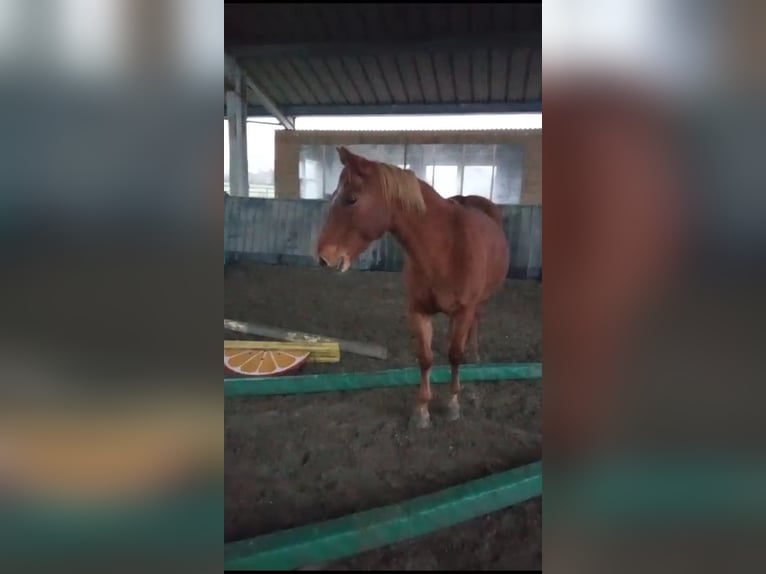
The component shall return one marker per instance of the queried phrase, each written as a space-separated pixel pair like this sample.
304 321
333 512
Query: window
443 178
477 180
260 157
310 173
488 170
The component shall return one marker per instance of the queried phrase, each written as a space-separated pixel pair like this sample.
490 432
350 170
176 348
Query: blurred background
654 240
111 443
110 221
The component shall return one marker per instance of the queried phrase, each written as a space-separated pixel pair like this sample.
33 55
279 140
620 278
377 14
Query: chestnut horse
456 256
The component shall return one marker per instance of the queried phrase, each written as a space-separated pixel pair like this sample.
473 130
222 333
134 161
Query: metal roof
344 59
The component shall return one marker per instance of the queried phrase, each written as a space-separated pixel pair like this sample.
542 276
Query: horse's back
484 255
482 204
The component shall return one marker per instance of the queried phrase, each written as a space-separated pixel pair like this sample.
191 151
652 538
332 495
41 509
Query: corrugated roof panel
480 18
527 17
393 78
326 21
324 133
375 77
341 76
338 57
312 81
517 73
498 75
501 16
412 17
460 17
425 69
278 79
325 76
264 80
360 79
351 19
462 75
438 19
480 75
312 28
444 76
534 77
410 77
372 18
297 79
280 23
391 24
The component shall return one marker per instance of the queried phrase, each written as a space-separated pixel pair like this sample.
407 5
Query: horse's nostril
322 262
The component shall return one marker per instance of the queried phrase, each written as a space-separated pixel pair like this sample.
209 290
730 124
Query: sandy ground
296 460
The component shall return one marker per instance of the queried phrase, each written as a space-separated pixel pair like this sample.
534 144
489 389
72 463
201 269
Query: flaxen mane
400 185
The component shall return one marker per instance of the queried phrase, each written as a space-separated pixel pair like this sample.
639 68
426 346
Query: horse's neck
419 234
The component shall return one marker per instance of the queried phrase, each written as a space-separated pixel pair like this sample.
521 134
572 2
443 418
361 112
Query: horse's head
361 209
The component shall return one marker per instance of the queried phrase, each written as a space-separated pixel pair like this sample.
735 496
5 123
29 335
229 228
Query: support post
236 110
233 69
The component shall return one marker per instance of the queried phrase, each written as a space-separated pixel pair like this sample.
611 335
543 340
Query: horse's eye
350 200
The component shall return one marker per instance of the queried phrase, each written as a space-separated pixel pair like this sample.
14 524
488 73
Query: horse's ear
346 157
354 162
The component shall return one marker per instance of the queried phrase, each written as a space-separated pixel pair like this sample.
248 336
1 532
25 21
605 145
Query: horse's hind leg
473 337
423 330
460 326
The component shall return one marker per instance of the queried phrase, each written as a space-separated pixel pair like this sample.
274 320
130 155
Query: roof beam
233 69
535 106
507 40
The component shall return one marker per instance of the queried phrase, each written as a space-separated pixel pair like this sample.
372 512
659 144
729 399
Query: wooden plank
321 346
355 347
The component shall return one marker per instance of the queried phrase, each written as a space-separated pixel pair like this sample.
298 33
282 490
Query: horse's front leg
423 329
460 325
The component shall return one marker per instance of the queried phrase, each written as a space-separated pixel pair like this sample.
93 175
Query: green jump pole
320 383
350 535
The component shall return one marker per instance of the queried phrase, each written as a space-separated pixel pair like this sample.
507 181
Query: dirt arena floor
296 460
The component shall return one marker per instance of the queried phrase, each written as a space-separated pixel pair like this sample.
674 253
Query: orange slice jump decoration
263 362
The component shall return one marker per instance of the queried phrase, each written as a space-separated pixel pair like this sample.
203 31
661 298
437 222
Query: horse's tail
480 203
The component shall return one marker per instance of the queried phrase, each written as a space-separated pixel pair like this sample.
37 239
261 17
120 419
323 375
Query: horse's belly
436 300
431 299
498 268
428 302
451 292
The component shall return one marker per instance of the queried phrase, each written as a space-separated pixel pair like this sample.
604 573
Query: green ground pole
350 535
235 387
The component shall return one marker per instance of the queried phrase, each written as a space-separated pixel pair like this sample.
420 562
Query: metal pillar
236 110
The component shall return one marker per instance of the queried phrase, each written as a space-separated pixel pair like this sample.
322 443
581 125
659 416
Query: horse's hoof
420 420
453 411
